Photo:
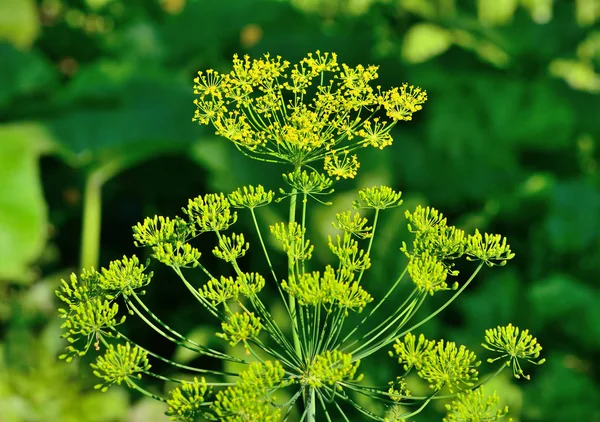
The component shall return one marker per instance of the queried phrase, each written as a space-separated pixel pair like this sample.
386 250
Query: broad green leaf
115 112
424 41
19 23
22 74
23 218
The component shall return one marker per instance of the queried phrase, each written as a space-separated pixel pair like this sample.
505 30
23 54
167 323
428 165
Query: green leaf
497 12
424 41
19 23
116 112
23 219
22 73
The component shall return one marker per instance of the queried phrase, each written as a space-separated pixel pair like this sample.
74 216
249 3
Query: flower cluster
313 110
331 368
186 401
513 344
168 239
378 198
91 313
310 184
291 236
332 288
474 405
120 364
353 224
240 327
437 245
251 397
226 288
441 363
274 111
251 197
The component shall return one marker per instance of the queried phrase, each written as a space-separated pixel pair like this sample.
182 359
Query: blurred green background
95 117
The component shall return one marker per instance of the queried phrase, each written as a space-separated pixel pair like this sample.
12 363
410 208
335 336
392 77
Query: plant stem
292 299
92 213
311 416
90 230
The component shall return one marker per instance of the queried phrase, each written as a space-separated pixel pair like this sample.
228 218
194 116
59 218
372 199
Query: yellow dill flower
346 249
411 353
447 365
378 197
474 405
231 247
304 112
341 166
401 103
492 249
240 327
120 364
331 367
356 225
428 273
252 396
515 345
186 401
250 197
376 134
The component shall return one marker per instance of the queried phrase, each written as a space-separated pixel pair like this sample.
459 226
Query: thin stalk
389 292
312 408
370 242
292 299
304 201
92 213
406 315
180 365
197 347
324 406
214 311
396 333
445 305
406 306
144 391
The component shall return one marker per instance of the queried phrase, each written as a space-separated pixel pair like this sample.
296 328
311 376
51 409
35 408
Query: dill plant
311 116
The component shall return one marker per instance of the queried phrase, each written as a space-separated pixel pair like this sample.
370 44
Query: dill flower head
316 109
474 405
251 398
450 366
410 352
513 344
120 364
332 367
186 401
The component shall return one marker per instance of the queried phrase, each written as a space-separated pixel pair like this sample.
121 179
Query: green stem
312 410
445 305
370 242
92 213
145 392
292 299
304 202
